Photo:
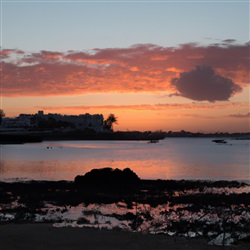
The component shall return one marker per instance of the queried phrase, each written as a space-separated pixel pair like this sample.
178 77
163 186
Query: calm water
172 158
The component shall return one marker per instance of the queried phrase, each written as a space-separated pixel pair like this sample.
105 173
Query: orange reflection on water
68 170
184 158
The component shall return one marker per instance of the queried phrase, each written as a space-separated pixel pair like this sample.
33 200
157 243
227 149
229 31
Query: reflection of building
32 121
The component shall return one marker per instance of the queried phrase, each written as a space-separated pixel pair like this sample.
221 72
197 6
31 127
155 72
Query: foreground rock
108 178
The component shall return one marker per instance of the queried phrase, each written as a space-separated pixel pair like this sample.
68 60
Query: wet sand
45 237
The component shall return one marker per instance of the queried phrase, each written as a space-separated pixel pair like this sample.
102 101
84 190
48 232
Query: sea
171 158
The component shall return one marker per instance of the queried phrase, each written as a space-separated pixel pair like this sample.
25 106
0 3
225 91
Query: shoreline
20 137
190 210
37 236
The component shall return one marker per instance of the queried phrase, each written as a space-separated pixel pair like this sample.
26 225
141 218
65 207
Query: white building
83 121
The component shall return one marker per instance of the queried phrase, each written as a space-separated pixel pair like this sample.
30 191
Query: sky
156 65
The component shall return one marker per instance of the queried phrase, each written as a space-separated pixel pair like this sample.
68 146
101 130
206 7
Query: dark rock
108 178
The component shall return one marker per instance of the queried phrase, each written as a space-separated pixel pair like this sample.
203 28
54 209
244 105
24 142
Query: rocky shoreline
218 211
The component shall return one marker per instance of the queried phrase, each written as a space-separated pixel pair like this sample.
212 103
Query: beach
43 236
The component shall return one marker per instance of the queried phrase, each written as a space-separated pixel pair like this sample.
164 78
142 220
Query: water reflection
170 159
167 218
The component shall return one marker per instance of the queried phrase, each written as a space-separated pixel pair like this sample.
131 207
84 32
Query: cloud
153 107
229 41
240 115
194 116
142 67
203 84
6 53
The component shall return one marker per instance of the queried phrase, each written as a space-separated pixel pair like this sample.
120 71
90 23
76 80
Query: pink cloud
6 53
143 67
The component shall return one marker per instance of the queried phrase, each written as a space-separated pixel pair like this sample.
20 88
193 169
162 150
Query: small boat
219 141
153 141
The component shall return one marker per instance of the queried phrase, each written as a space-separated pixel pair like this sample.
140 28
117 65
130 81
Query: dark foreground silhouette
108 179
45 237
184 206
109 185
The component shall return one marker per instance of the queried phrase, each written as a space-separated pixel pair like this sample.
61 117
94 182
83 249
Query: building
81 122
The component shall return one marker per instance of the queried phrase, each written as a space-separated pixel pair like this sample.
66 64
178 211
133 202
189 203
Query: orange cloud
155 107
143 67
173 69
246 116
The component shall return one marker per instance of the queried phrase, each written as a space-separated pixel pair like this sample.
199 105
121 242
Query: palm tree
108 123
2 114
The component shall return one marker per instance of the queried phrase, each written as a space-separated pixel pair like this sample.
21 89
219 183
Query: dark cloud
203 84
229 41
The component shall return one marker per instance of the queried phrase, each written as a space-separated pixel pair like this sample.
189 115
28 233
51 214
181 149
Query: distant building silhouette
81 122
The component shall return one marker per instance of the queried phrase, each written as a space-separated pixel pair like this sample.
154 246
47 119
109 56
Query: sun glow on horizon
138 68
143 112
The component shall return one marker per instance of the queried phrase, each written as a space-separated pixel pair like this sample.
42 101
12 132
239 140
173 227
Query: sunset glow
199 85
